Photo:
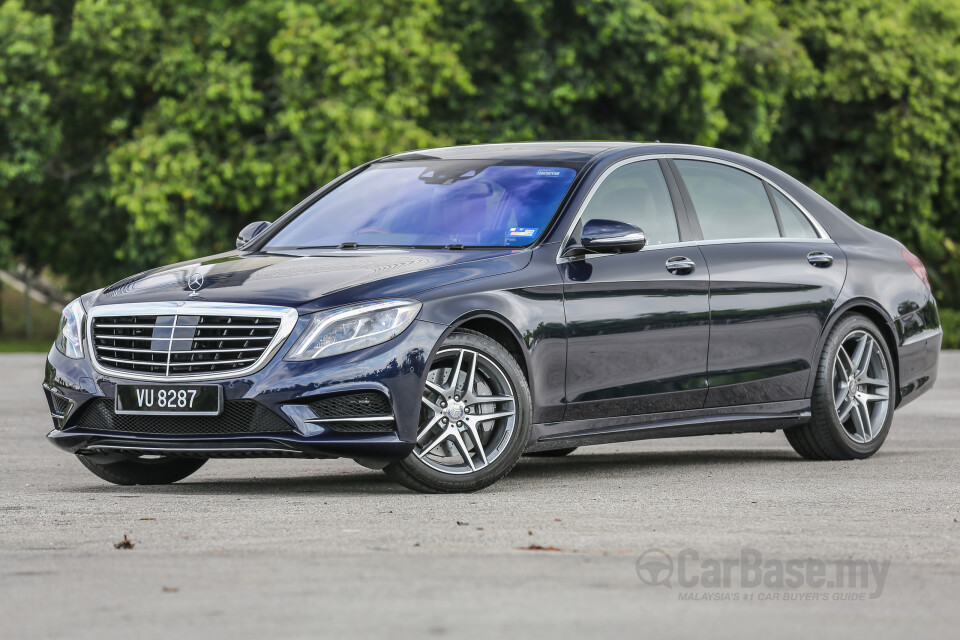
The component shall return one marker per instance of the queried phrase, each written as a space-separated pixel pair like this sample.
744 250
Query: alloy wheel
861 386
468 413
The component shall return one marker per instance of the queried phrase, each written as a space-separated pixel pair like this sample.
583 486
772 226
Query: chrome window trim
288 320
822 235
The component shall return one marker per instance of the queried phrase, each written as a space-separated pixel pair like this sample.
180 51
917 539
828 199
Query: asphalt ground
736 536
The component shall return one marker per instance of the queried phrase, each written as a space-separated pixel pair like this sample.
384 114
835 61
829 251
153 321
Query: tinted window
795 224
636 193
730 203
435 203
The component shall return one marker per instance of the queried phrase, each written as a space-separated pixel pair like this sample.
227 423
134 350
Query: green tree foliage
713 72
29 135
880 134
139 132
173 125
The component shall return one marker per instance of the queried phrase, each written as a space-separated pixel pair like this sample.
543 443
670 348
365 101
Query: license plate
169 399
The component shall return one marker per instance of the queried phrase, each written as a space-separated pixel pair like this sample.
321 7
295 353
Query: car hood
311 279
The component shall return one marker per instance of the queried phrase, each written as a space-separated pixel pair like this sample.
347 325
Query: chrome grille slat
186 341
201 326
214 338
131 349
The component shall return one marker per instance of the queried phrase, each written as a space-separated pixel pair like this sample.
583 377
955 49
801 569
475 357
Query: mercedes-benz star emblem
195 282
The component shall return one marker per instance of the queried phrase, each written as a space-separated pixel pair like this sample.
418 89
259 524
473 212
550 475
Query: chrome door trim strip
824 237
288 320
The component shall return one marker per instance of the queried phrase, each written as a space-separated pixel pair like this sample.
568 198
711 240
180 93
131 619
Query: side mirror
607 236
251 231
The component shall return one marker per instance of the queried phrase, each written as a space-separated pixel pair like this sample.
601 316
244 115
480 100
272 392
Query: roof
556 151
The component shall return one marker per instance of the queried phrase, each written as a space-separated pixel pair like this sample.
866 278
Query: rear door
637 324
774 277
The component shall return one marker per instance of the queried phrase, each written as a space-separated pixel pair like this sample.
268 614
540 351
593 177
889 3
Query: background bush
140 132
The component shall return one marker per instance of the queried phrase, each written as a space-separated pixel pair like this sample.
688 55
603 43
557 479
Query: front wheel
130 470
474 418
853 395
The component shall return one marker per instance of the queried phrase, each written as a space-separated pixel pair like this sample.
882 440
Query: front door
637 323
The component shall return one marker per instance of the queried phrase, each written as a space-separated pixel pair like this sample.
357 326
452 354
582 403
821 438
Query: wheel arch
873 312
494 326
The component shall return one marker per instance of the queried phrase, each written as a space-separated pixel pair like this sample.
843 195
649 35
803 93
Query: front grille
238 417
174 345
351 406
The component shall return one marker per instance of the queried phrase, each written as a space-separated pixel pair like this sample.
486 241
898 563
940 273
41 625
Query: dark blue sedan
439 313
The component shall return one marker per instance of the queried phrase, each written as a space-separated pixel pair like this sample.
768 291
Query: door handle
681 266
820 259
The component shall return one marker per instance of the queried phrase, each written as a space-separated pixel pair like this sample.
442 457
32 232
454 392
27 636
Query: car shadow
580 466
585 463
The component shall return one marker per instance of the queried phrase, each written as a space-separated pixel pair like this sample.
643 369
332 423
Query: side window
795 224
636 193
730 203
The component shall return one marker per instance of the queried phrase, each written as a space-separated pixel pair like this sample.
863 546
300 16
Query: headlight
69 336
355 327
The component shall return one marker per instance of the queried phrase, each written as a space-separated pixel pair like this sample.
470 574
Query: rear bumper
919 357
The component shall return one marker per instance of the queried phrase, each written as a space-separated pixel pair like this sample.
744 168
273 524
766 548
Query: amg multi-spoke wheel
853 396
474 418
129 469
861 386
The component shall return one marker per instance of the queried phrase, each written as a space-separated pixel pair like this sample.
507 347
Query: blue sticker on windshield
548 173
522 232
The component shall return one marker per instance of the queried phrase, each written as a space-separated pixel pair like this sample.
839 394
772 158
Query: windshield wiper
348 245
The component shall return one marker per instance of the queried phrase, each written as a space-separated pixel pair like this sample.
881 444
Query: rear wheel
474 418
130 470
853 396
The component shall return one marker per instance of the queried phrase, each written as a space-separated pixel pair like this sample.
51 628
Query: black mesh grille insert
238 416
355 405
367 403
60 404
361 427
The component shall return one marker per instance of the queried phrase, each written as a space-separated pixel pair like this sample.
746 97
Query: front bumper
396 369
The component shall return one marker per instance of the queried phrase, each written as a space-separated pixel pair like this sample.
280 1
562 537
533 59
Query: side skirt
769 416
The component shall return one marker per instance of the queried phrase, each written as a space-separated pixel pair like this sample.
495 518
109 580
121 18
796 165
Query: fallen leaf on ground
537 547
126 543
171 589
148 518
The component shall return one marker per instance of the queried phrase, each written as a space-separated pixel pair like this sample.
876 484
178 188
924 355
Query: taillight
917 266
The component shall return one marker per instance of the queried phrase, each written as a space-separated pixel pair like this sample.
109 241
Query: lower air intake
352 412
238 417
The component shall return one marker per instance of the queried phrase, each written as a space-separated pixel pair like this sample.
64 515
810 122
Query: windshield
433 204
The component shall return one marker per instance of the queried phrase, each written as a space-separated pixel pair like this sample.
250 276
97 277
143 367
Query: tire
551 453
456 464
131 471
828 437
